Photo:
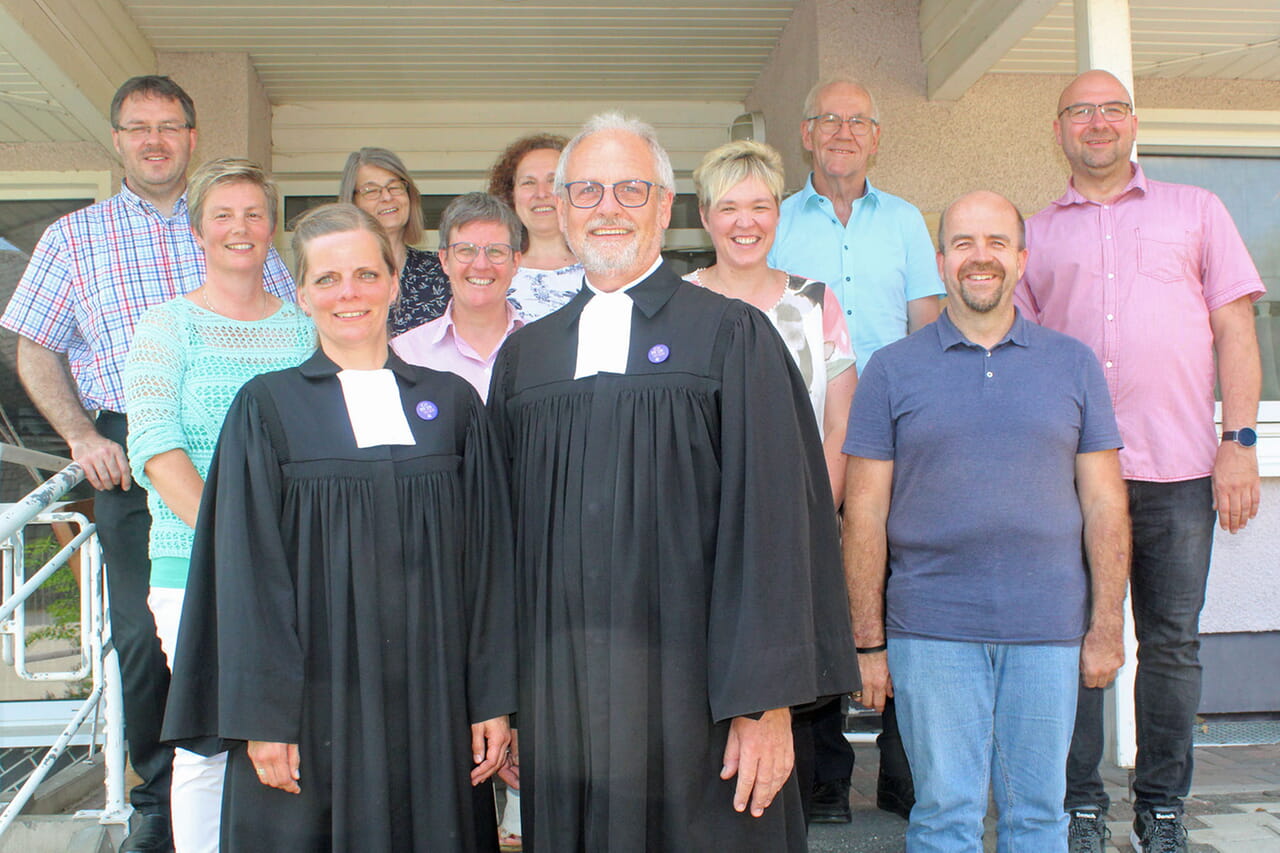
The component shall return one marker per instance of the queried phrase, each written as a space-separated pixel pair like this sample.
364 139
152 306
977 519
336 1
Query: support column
1103 42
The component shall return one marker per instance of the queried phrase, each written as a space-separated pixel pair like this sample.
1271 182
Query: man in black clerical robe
679 585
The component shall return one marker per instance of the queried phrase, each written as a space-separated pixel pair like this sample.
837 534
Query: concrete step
60 834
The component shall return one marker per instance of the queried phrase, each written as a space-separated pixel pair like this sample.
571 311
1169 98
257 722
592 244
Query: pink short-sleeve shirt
1136 279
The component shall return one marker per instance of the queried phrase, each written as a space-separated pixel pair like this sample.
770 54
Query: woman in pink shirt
480 248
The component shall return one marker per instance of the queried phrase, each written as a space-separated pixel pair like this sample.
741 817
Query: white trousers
196 798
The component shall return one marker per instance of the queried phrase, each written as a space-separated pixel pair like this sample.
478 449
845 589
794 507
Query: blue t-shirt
984 529
876 264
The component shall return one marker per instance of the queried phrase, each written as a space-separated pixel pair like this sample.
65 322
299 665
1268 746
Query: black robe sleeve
489 578
238 667
779 630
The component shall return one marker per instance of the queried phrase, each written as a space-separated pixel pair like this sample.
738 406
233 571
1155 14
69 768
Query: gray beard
596 261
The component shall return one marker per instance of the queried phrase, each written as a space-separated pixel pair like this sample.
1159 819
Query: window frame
1221 133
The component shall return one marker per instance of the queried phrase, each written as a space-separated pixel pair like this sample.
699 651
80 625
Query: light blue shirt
876 264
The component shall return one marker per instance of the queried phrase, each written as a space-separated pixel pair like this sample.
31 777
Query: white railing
98 660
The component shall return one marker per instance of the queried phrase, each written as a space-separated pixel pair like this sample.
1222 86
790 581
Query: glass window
1248 187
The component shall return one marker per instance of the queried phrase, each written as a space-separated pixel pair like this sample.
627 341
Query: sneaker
1088 831
1158 831
830 803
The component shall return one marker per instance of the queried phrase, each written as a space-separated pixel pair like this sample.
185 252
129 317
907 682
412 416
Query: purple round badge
659 353
427 410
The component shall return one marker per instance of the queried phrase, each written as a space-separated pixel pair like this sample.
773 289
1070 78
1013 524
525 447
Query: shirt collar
320 366
445 326
132 198
1137 182
810 195
949 336
649 292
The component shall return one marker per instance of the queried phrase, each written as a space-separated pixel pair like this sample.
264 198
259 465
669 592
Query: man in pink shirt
1156 279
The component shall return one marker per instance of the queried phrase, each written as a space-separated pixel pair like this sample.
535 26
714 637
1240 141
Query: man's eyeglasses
395 189
829 123
168 130
1083 113
497 253
633 193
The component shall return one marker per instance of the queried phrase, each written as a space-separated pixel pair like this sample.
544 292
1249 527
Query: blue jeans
979 715
1172 541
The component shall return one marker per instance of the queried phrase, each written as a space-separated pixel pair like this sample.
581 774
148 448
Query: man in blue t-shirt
873 250
983 453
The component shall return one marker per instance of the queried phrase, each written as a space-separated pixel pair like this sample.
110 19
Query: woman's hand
277 764
489 742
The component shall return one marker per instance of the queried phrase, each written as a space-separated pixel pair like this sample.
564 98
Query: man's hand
104 462
761 753
489 742
1237 490
509 773
276 764
877 685
1102 652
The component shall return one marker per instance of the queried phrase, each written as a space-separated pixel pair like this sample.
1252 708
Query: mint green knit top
184 368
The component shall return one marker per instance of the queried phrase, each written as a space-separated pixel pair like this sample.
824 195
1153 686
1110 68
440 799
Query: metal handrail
99 659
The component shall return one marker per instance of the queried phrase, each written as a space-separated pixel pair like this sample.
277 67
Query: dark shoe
1158 831
150 835
1088 831
830 803
895 794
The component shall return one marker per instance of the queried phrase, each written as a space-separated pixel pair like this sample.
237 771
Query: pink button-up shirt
1136 279
436 345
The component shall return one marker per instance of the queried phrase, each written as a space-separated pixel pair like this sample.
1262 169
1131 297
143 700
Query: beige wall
59 157
232 110
998 136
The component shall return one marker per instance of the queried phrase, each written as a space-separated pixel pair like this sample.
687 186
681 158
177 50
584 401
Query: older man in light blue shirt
872 247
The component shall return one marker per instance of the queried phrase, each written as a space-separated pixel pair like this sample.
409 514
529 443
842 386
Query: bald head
1095 86
981 256
989 203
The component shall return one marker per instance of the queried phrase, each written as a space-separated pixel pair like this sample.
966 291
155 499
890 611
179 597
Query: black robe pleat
677 565
357 602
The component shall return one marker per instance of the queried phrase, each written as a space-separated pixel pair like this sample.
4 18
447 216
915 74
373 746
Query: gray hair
228 170
616 121
811 99
384 159
481 207
335 218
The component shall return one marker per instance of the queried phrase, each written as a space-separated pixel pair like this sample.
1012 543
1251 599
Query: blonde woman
352 564
188 359
739 189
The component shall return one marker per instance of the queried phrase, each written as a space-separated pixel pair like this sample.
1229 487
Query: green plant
60 594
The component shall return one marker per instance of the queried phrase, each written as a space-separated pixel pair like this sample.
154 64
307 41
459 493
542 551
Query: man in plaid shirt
93 274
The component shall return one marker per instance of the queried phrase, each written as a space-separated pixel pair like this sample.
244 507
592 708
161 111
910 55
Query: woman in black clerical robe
349 600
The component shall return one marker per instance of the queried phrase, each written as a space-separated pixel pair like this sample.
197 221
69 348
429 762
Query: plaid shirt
96 271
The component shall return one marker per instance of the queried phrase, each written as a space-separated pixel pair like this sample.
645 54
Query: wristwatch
1245 437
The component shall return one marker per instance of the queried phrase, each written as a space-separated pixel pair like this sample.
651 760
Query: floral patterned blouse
424 292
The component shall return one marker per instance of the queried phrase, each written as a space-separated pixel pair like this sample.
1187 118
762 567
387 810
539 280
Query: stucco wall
780 89
60 157
232 110
1244 584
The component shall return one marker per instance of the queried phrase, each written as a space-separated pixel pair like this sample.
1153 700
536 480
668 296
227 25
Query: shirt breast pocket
1163 255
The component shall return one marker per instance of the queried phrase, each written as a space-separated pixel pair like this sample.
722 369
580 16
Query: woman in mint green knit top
188 359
